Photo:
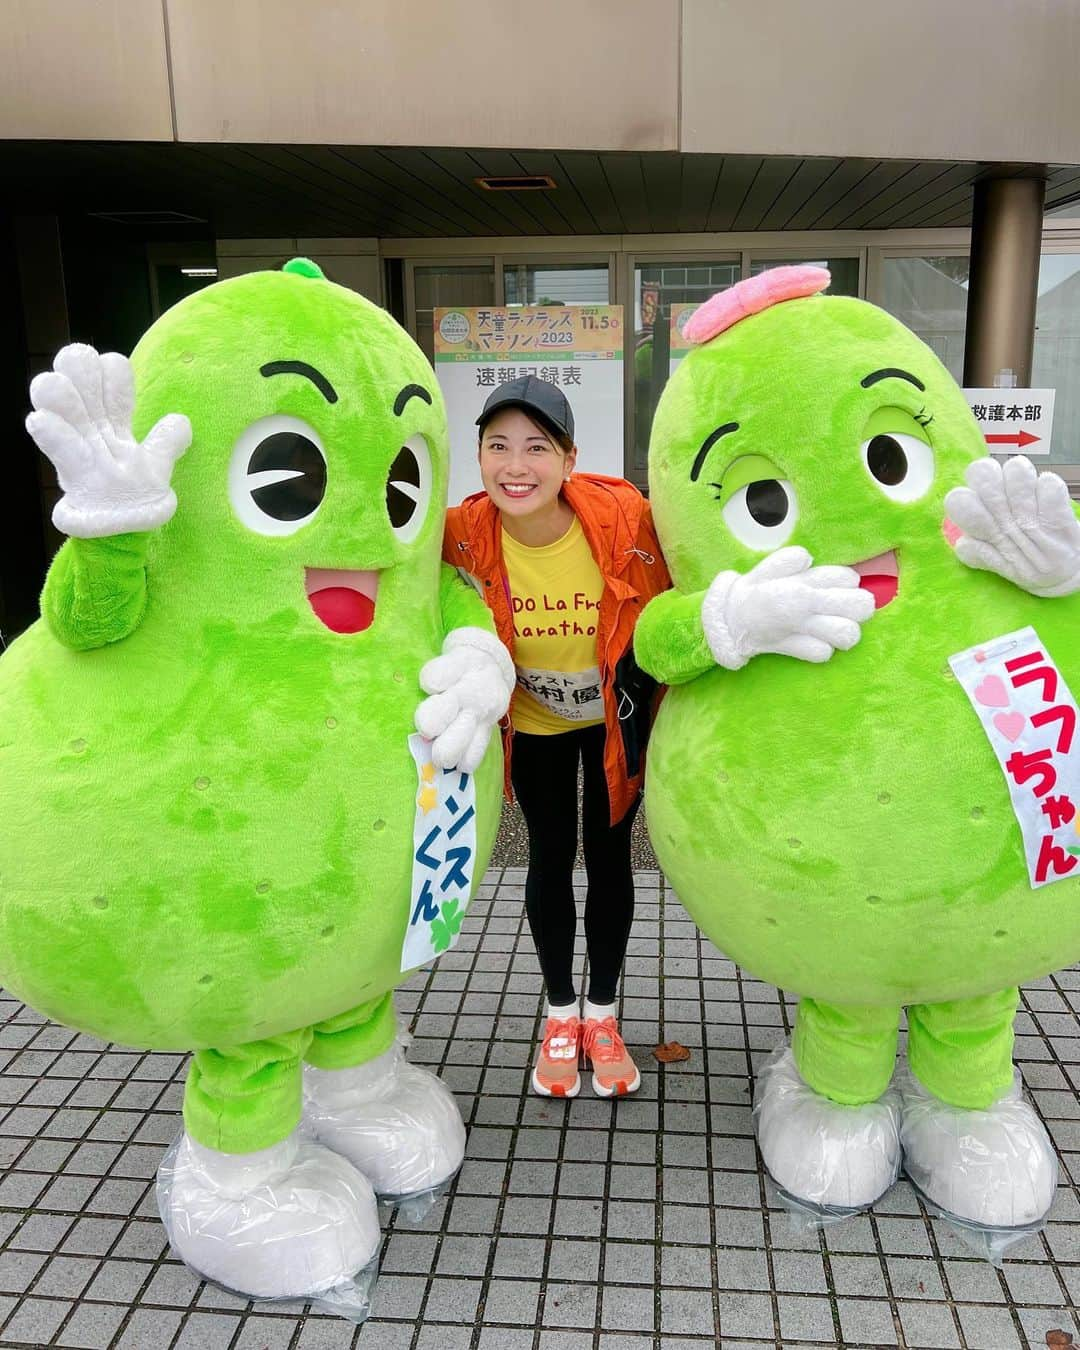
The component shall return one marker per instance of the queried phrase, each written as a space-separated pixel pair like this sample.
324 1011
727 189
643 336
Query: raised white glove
82 423
470 686
1018 523
784 605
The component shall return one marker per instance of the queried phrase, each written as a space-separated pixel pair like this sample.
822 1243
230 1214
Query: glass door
929 293
429 286
665 292
556 283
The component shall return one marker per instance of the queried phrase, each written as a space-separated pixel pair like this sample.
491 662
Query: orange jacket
617 523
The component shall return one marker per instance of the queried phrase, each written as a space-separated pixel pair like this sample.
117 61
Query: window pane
1056 363
448 285
548 284
845 271
930 296
657 287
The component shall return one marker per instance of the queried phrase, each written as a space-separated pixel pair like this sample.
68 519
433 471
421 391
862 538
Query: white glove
1018 523
82 423
785 605
470 686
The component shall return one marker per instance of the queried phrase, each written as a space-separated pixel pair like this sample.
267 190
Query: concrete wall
959 80
427 72
75 70
963 80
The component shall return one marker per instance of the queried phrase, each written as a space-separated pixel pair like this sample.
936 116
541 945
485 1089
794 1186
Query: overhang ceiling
318 191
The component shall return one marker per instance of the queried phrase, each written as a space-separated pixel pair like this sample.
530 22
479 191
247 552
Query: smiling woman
565 561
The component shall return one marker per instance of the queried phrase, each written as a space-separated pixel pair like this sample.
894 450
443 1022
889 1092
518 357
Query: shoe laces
566 1030
603 1044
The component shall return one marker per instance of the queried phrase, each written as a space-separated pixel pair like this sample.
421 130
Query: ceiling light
528 182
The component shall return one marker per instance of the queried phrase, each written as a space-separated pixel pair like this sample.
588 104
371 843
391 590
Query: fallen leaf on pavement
671 1052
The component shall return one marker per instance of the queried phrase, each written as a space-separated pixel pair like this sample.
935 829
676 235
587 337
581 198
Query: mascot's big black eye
886 460
767 502
277 476
901 465
408 488
762 514
301 488
402 487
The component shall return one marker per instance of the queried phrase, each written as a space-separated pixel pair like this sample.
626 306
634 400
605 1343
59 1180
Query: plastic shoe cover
291 1221
830 1157
995 1169
393 1120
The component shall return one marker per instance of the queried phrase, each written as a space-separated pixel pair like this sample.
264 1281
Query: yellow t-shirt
555 598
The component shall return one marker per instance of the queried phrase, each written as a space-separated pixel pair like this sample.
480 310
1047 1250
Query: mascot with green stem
820 791
210 784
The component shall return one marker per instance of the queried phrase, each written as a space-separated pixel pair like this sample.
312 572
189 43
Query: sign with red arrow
1017 439
1014 421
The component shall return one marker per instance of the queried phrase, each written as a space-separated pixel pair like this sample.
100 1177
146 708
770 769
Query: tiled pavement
590 1225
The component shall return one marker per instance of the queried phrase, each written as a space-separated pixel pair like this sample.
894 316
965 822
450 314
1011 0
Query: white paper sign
1029 717
1014 421
444 857
576 348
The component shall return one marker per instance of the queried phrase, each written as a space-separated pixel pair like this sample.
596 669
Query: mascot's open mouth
880 576
342 598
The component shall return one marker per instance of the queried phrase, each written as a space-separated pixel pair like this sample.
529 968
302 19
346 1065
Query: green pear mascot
832 781
213 789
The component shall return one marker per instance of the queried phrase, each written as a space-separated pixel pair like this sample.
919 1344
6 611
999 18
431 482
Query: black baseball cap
537 396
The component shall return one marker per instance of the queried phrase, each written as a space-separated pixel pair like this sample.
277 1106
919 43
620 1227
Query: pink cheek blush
951 532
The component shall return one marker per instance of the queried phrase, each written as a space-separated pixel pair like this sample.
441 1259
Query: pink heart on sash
991 692
1009 724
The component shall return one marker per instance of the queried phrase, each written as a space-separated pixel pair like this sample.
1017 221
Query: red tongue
341 609
882 588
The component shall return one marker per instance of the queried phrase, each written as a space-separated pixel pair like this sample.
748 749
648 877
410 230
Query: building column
1006 240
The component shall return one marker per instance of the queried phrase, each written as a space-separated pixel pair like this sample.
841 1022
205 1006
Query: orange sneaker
555 1073
614 1072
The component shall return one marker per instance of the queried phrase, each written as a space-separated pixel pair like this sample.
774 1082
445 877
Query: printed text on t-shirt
553 628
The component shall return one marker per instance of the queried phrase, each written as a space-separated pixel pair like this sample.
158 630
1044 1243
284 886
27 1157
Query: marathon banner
577 348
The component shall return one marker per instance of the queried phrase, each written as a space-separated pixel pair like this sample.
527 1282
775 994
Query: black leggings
544 770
